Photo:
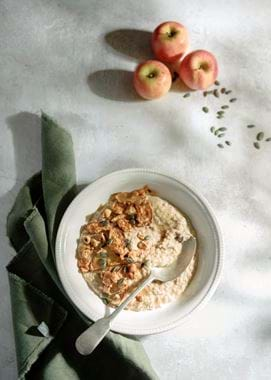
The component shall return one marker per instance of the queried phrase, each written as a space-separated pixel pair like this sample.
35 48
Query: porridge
123 239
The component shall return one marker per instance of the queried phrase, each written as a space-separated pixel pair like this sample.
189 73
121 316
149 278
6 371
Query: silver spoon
91 338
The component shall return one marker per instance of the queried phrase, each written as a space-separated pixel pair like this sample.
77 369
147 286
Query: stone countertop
74 60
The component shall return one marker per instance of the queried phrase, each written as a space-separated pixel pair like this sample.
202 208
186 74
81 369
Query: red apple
152 79
169 41
198 70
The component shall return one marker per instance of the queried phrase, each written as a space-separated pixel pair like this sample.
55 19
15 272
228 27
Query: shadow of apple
131 42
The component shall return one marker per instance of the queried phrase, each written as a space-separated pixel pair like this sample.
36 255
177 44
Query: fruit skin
152 79
169 41
199 69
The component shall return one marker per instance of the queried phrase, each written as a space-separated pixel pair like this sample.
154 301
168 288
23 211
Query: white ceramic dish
180 195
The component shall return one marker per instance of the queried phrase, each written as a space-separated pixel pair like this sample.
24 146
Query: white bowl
181 196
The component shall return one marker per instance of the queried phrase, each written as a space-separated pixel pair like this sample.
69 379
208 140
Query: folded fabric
46 324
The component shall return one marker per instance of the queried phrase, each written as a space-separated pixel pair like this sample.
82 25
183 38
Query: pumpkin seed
205 93
102 263
232 100
116 268
222 129
268 139
105 300
220 145
250 126
205 109
147 237
104 222
216 132
260 136
228 92
217 83
216 93
256 145
225 107
120 281
212 129
223 90
228 142
219 116
221 135
220 112
186 95
129 260
103 255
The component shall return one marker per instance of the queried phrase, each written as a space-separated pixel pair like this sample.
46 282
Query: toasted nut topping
142 245
85 254
140 236
132 268
94 242
107 213
86 239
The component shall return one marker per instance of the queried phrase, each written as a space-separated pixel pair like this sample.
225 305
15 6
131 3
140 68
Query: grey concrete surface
74 60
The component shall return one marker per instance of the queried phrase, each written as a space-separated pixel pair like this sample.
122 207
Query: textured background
70 59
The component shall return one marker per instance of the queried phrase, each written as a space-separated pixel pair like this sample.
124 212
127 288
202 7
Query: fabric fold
37 296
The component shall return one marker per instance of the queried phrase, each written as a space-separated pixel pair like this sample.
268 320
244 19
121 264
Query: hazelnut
141 245
94 242
132 268
107 213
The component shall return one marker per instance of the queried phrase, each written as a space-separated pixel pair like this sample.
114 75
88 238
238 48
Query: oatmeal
123 239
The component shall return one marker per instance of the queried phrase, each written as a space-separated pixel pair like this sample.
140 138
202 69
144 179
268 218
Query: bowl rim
219 251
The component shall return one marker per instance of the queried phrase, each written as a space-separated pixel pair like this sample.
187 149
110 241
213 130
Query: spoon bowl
91 338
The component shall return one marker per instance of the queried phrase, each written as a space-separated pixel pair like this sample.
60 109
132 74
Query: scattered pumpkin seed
216 132
268 139
223 90
217 83
232 100
219 117
250 126
205 109
256 145
225 107
220 112
228 142
221 135
220 145
216 93
205 93
260 136
186 95
222 129
147 237
103 255
228 92
212 129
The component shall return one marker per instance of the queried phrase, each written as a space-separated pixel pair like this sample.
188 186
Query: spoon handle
91 337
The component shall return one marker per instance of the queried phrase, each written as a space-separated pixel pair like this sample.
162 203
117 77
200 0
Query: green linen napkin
46 324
